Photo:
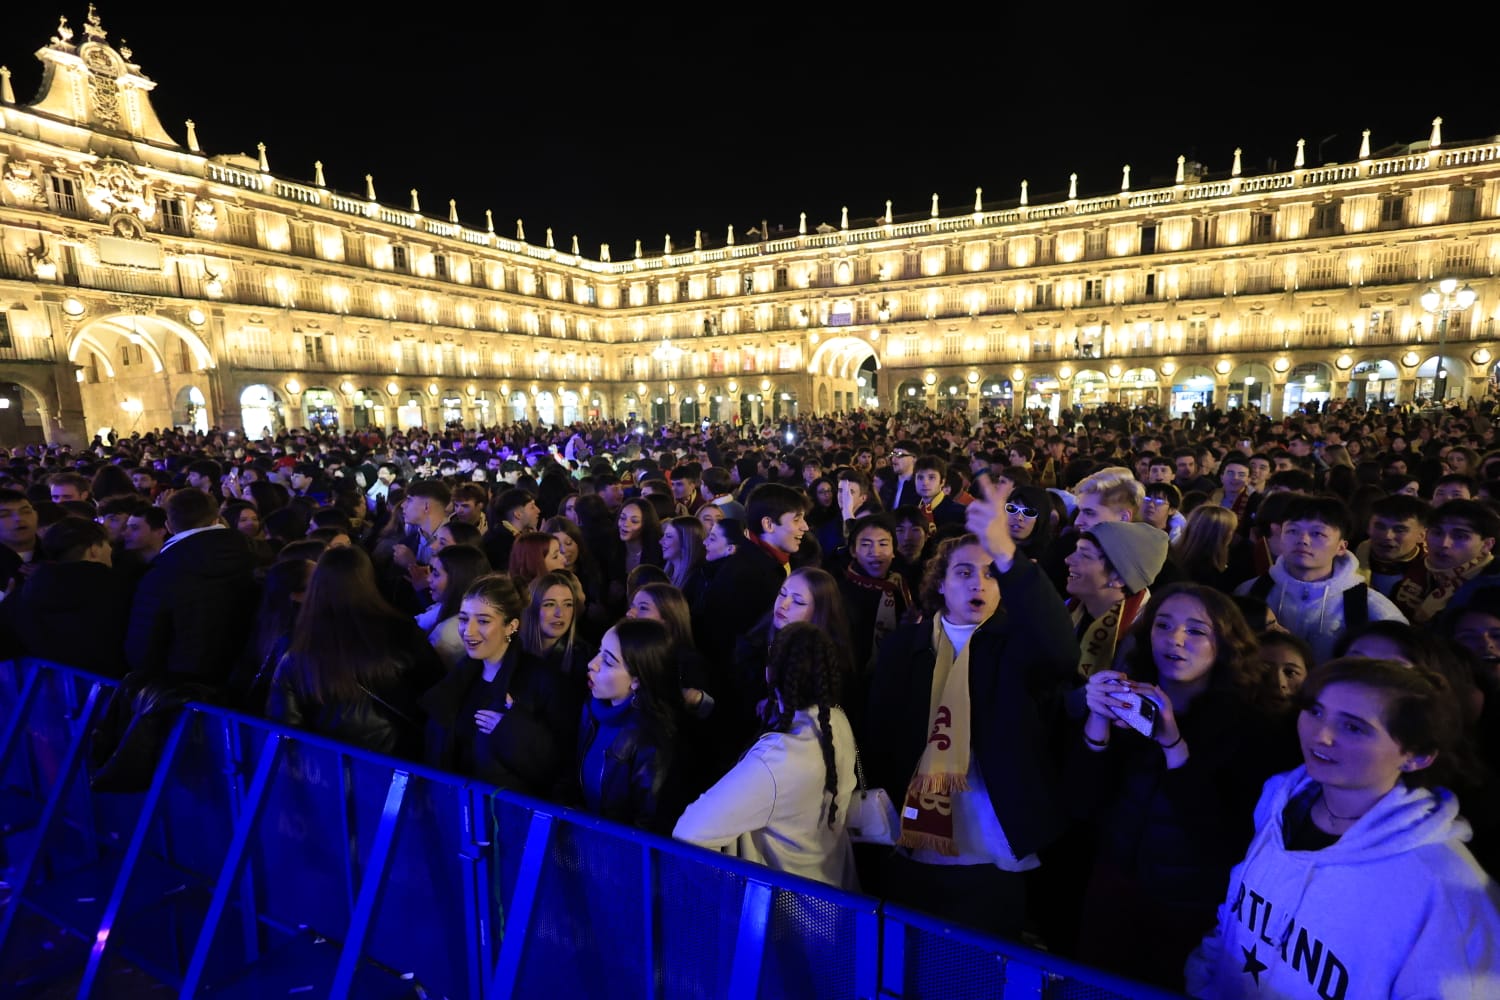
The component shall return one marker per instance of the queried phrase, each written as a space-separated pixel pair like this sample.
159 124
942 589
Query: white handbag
872 816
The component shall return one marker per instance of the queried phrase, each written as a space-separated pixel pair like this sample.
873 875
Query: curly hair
805 672
1236 668
929 594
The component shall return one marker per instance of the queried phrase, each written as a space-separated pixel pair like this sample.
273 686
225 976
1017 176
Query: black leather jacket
633 772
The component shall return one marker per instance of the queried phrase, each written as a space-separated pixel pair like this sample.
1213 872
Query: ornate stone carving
114 186
141 305
22 182
126 226
204 218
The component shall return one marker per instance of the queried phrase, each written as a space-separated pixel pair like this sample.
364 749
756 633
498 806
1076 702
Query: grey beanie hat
1137 551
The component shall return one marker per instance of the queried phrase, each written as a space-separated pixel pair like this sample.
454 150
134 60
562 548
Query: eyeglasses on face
1156 501
1015 508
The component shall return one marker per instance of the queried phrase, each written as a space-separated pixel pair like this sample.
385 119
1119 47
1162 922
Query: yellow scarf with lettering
1101 639
927 813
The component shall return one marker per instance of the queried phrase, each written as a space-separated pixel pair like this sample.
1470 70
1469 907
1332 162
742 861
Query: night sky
617 127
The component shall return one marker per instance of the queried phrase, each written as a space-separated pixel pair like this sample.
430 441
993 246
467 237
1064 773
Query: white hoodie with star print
1396 908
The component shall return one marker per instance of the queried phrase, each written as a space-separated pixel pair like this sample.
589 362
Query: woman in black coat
1173 809
627 733
355 667
502 715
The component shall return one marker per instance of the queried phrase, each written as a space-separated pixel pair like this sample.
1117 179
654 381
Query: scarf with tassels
927 813
894 600
1413 582
1101 639
1443 586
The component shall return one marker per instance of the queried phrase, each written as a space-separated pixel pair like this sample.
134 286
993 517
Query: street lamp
1438 302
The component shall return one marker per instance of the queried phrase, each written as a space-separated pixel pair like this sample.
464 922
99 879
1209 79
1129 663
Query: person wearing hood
1314 588
1357 882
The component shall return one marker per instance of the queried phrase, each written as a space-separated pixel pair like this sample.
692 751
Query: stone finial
802 224
1024 199
1234 171
889 218
575 245
604 252
1181 170
453 210
979 199
697 239
192 132
1364 145
844 217
265 166
934 205
369 187
520 231
1072 187
550 245
489 222
637 249
1301 160
729 240
416 204
667 244
1436 139
318 178
7 94
1125 178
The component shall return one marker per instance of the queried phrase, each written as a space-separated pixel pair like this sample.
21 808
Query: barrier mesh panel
425 876
1059 988
699 923
586 936
298 848
938 968
809 948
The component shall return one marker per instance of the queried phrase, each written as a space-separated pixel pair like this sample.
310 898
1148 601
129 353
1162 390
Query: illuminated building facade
145 283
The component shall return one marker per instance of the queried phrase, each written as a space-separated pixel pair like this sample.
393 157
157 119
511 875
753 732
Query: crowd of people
1207 700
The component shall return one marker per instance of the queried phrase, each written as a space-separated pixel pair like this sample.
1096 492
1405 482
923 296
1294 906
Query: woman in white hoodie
786 802
1357 883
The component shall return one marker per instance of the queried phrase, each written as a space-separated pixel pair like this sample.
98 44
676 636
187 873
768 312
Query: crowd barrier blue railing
270 861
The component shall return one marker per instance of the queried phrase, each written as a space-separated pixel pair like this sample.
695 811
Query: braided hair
805 671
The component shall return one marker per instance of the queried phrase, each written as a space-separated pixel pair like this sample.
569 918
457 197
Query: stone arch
841 356
85 340
152 331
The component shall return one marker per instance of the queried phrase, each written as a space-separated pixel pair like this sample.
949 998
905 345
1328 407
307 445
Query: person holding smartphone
1173 754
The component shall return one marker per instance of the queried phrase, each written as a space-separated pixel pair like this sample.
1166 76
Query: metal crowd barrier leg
229 872
513 937
369 886
55 797
133 852
10 737
476 875
750 945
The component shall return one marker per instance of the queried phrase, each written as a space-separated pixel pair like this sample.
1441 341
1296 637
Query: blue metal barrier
265 860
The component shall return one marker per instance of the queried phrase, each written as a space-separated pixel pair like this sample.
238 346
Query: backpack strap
1261 588
1357 606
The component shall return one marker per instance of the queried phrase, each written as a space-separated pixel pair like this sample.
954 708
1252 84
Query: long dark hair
1236 668
342 639
806 672
647 651
464 564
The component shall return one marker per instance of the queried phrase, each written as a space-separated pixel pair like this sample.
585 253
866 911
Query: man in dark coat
195 605
744 588
1021 657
